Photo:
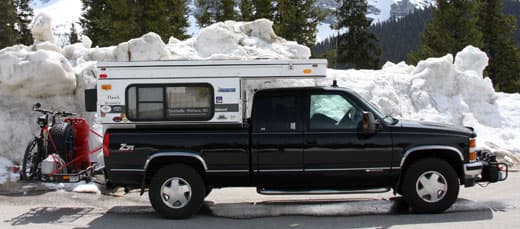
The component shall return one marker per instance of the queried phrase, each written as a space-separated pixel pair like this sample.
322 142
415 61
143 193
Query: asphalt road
495 206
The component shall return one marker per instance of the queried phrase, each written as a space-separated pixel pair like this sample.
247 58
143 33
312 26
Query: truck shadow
50 215
332 214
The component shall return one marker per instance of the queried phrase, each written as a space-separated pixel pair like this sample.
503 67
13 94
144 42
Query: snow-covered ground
450 89
5 174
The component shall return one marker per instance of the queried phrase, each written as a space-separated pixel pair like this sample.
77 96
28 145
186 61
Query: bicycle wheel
30 161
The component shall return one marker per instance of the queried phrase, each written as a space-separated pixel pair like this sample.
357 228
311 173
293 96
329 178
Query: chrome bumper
472 170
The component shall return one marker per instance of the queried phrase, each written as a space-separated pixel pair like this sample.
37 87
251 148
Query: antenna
337 39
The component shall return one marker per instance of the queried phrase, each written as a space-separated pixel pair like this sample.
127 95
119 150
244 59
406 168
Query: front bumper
473 170
486 169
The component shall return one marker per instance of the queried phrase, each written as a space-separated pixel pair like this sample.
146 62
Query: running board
265 191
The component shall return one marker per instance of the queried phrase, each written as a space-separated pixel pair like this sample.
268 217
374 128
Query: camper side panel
169 101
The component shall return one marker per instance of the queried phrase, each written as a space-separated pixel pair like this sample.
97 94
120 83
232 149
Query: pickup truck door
336 152
277 139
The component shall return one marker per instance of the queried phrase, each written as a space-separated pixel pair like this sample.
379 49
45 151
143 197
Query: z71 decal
125 147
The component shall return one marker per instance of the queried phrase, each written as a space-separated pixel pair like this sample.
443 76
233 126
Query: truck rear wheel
430 186
176 191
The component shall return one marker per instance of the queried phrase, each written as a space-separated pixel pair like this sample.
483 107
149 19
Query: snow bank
39 73
35 74
222 40
41 28
447 89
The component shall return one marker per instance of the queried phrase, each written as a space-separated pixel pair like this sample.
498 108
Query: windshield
378 113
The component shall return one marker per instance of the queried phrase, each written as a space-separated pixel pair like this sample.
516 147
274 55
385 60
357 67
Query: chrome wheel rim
431 186
176 192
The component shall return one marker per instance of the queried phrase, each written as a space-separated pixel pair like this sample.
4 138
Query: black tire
30 161
63 137
208 191
184 175
434 173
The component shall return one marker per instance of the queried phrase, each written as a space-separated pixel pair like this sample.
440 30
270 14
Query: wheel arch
450 154
156 161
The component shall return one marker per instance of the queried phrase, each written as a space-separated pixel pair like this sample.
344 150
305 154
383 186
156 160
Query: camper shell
187 92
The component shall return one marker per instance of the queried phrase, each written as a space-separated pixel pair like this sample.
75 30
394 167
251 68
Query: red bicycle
59 141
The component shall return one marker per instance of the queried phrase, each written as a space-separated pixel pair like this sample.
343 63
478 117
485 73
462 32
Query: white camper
186 92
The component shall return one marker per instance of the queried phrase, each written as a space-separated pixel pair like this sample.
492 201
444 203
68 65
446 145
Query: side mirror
369 123
36 106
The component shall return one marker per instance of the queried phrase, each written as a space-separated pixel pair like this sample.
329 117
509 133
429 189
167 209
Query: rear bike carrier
83 175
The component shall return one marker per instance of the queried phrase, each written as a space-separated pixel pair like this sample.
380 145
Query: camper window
172 102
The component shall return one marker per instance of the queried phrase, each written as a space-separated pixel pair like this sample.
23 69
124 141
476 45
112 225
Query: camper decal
219 99
225 89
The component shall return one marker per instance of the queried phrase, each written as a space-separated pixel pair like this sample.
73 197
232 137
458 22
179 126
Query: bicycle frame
43 143
45 136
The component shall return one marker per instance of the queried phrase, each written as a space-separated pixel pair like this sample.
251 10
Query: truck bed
224 149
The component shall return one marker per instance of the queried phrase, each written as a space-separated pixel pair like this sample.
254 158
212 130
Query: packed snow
223 40
449 89
6 174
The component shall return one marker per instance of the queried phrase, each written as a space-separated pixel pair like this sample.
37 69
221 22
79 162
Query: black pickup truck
314 140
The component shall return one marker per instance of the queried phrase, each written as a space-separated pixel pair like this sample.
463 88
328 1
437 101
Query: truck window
277 113
170 102
331 111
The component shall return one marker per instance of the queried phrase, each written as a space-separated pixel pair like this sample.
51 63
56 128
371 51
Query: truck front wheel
176 191
430 186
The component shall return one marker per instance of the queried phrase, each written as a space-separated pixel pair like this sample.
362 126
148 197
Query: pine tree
93 21
453 27
202 15
164 17
178 18
25 15
263 9
246 10
498 38
123 19
357 48
297 20
8 20
226 10
207 14
73 37
111 22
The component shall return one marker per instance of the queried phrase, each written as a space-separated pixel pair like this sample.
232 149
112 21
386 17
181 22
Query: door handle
311 142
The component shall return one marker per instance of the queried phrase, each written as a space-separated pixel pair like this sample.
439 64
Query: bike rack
85 174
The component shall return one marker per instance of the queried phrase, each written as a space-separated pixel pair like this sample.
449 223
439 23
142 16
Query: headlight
42 121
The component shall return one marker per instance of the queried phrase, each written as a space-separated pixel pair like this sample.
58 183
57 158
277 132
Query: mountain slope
398 37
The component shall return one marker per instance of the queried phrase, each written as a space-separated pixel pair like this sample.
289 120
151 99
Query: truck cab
315 138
